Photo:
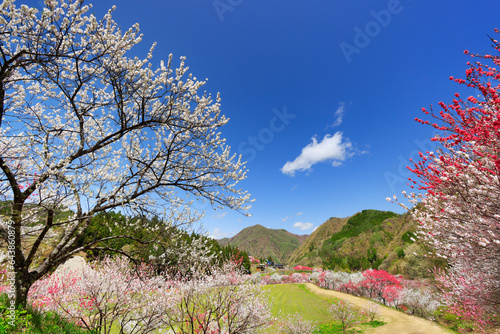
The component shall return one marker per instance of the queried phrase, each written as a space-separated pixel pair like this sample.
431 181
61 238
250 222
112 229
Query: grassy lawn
295 298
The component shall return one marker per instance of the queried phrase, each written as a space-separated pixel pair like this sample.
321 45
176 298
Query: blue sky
321 95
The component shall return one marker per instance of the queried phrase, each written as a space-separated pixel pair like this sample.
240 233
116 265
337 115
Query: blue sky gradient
321 95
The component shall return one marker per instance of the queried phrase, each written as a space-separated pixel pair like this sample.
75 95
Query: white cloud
339 114
218 234
303 226
330 148
219 215
284 219
299 213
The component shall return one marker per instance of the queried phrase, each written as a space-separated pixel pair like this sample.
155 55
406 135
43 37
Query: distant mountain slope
261 242
368 239
307 253
365 240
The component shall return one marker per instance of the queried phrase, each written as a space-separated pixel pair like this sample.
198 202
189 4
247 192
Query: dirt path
397 322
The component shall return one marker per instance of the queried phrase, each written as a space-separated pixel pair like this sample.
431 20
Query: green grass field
295 298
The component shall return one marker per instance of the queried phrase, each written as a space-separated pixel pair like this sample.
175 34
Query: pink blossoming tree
115 294
458 208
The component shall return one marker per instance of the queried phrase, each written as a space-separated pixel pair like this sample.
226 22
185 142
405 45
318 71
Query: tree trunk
23 284
23 281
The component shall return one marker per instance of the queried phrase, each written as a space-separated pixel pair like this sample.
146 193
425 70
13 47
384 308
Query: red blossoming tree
459 205
380 285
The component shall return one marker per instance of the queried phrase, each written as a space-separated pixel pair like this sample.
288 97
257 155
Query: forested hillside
261 242
368 239
307 253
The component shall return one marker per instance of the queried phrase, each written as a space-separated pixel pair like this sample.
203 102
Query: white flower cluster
86 127
114 294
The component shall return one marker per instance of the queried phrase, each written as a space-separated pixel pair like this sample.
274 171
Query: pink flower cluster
303 268
411 296
374 284
457 207
116 294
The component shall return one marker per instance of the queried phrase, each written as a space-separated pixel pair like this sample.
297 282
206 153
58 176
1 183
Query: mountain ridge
368 239
262 242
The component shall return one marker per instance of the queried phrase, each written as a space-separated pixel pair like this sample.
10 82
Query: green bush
31 321
407 237
400 252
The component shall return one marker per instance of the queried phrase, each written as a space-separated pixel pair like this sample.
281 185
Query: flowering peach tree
344 312
86 126
379 285
224 302
459 184
115 294
295 323
106 294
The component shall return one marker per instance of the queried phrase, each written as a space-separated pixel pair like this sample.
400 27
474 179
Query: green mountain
369 239
307 253
261 242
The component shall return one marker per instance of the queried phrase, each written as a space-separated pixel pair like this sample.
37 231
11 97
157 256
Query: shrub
344 312
295 324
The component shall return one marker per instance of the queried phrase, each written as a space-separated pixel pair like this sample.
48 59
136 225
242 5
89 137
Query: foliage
361 222
400 251
408 237
454 322
166 254
375 284
357 229
458 207
307 253
414 297
31 321
227 253
105 225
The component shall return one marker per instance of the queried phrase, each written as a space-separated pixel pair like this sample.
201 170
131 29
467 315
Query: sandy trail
396 322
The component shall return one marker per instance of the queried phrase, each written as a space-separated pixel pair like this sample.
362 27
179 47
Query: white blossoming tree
458 207
86 127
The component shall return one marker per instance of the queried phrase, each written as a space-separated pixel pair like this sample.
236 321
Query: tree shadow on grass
337 328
